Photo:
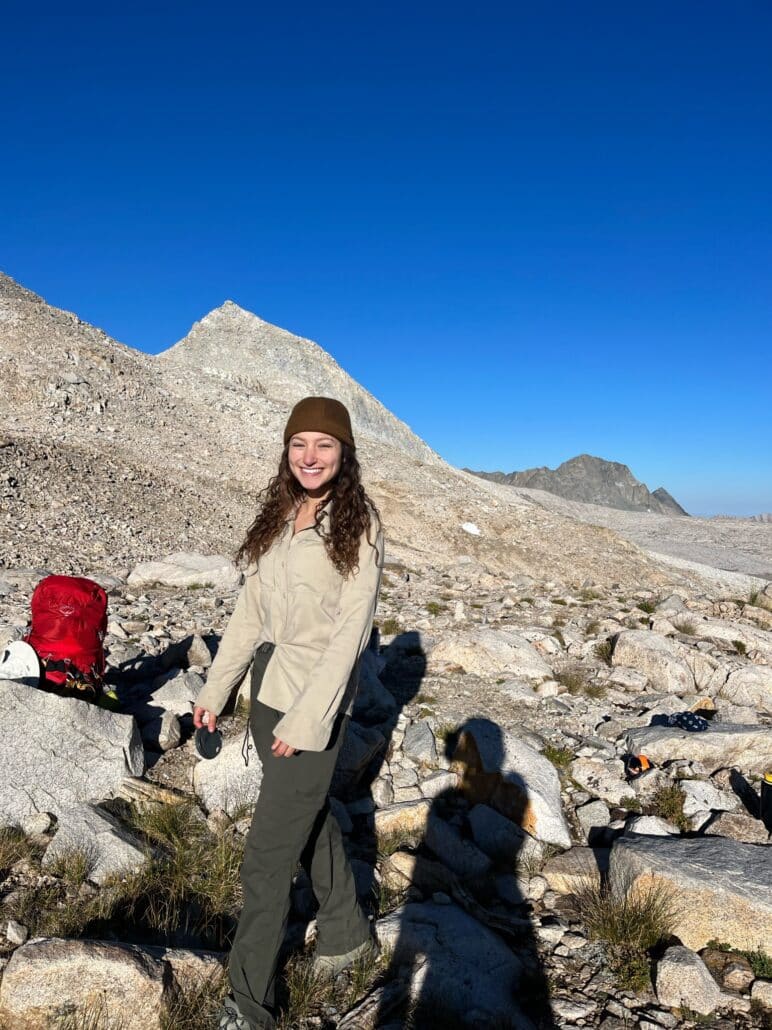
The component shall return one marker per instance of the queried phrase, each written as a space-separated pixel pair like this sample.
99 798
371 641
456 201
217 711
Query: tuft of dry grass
15 846
195 1006
629 921
192 884
686 626
394 840
576 682
73 865
306 992
604 649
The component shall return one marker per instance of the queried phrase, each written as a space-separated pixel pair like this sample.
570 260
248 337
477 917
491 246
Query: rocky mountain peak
233 344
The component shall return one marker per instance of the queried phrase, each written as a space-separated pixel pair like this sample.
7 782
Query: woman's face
314 460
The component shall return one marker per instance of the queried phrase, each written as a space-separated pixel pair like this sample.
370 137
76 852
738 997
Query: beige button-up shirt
320 623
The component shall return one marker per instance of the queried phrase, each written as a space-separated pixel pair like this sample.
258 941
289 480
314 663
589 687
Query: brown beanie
320 415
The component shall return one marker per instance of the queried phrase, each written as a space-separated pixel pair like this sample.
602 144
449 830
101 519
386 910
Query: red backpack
69 623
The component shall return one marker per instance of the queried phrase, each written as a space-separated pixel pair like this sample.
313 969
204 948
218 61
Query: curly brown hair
351 513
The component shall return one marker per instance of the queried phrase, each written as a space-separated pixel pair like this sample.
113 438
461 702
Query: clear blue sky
531 230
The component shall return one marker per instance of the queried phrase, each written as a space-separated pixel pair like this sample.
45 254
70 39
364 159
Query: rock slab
467 967
109 847
61 752
723 887
719 747
186 569
48 979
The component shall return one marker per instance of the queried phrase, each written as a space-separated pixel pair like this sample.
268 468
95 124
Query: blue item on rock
688 721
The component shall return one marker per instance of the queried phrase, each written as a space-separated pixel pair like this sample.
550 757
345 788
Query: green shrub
561 757
390 626
668 803
740 647
434 607
646 606
604 649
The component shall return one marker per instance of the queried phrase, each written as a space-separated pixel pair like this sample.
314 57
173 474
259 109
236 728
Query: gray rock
462 856
465 966
374 703
501 839
720 746
593 817
110 848
575 869
186 569
603 779
750 686
383 791
761 994
723 888
657 658
36 824
651 826
16 933
490 652
700 796
162 733
738 826
683 981
62 751
360 745
198 653
225 781
48 977
439 783
419 742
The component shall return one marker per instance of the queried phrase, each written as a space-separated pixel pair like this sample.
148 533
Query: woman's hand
281 750
198 719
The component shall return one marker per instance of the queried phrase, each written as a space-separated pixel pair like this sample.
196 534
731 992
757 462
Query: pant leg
341 923
293 793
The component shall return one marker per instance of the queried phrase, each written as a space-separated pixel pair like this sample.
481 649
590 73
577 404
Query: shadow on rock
461 943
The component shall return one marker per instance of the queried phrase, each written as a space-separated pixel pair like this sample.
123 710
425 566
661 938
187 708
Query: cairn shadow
463 949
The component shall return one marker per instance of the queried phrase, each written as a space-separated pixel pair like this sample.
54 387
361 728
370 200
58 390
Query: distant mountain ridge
592 480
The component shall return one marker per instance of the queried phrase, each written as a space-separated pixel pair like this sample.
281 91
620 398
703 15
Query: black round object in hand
208 743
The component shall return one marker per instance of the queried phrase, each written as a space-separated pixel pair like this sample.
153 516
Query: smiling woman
303 619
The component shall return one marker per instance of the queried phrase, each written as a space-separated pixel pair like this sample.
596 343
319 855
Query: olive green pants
292 822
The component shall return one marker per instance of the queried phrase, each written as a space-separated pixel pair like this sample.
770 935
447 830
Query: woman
303 618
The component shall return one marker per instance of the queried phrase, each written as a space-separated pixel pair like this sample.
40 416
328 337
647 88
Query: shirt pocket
313 583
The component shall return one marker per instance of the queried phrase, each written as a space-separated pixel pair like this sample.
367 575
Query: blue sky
531 230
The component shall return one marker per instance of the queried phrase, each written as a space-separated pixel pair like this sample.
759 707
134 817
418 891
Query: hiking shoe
327 967
231 1017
